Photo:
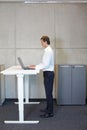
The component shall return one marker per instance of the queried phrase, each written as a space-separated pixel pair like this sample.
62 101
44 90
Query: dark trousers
48 84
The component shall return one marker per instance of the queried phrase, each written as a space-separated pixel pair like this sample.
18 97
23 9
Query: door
64 84
78 84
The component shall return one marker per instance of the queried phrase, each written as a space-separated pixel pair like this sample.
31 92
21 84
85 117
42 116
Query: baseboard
31 99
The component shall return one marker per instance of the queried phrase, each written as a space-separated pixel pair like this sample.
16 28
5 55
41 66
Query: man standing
47 66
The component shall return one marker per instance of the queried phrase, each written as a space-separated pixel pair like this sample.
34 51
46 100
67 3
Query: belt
48 71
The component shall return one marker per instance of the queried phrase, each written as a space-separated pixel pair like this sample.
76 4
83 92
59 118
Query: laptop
22 65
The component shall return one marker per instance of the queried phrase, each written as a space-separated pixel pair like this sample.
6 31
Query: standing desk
20 73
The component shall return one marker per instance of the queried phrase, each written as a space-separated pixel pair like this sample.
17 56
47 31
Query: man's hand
32 66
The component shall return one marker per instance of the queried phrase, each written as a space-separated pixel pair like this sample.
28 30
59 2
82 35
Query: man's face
44 44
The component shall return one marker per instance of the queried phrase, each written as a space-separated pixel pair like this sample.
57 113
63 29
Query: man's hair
46 38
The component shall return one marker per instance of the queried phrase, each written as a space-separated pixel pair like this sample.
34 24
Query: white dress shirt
47 63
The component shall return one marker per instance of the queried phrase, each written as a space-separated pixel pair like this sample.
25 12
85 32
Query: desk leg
21 104
27 91
20 97
26 83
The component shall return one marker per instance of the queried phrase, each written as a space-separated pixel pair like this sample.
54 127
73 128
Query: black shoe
47 115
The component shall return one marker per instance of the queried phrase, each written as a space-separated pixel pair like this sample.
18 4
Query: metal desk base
21 122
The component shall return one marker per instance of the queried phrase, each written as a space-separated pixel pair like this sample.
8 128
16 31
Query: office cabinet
71 85
2 85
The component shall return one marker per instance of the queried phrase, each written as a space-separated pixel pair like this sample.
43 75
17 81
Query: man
47 65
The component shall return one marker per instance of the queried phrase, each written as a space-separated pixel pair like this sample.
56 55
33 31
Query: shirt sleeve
45 61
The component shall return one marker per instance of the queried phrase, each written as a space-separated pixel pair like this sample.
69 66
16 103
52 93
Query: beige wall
71 33
22 25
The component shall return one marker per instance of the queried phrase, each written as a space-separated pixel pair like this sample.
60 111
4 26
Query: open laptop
22 65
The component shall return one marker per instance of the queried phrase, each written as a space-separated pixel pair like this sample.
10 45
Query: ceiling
46 1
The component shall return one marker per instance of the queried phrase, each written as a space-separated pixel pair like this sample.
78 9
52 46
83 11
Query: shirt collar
47 48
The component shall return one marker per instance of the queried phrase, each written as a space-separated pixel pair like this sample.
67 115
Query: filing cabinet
71 85
2 85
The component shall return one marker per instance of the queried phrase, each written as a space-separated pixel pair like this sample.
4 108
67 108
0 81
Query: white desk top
14 70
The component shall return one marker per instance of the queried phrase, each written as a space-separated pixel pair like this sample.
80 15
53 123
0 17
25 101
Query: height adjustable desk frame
20 73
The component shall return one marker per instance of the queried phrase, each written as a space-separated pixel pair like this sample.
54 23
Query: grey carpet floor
65 117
